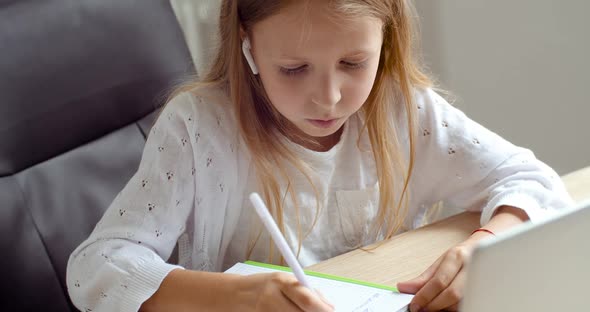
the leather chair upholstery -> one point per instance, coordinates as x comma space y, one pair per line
81, 82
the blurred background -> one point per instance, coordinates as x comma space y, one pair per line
519, 68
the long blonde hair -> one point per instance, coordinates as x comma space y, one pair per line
261, 126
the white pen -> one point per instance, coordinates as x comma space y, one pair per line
278, 238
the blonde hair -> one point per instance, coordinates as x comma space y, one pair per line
261, 126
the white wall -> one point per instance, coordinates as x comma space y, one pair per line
519, 68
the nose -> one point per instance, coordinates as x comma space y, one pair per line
327, 91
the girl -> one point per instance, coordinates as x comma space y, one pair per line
320, 106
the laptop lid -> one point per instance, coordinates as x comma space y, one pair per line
536, 267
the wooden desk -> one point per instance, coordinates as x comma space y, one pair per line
407, 255
404, 256
578, 184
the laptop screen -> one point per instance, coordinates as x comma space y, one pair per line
536, 267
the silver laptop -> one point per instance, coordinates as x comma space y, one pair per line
536, 267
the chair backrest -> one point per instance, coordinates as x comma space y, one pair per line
80, 84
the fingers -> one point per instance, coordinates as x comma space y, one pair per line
414, 285
305, 298
324, 299
448, 269
449, 298
284, 304
270, 296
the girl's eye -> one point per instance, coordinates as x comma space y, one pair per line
301, 69
352, 65
293, 71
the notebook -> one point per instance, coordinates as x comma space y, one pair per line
344, 293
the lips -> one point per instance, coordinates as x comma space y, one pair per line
323, 123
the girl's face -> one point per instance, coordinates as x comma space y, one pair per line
317, 69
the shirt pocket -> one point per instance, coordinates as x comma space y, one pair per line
356, 214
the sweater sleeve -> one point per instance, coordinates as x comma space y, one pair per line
466, 166
122, 263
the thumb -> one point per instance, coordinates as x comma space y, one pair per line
414, 285
317, 291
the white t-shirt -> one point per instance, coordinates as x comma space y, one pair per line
193, 183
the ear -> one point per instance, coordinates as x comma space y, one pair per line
246, 46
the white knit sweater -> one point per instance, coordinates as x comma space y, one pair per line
192, 185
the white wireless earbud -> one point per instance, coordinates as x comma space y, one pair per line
246, 49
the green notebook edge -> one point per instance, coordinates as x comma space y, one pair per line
323, 275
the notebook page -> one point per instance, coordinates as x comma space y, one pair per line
346, 297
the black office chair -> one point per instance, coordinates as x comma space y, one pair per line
80, 84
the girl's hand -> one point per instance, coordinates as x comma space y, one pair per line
278, 292
441, 285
